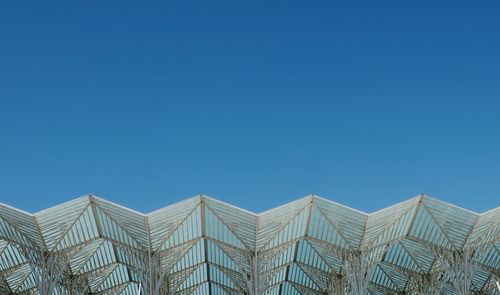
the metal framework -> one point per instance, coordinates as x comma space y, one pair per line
203, 246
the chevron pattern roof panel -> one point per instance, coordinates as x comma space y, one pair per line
204, 246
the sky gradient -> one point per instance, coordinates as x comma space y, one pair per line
366, 103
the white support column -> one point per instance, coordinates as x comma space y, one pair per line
357, 270
459, 268
337, 284
265, 264
262, 267
157, 281
153, 268
425, 284
358, 266
148, 266
48, 268
75, 285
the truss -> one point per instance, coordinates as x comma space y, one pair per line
204, 246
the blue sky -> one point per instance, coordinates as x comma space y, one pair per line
256, 103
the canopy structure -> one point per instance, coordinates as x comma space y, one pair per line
204, 246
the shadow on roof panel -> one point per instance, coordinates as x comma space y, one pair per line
121, 224
390, 224
487, 228
19, 226
270, 223
240, 222
336, 224
441, 224
164, 222
68, 224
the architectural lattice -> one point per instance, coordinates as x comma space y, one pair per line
203, 246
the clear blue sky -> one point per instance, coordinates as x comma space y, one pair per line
256, 103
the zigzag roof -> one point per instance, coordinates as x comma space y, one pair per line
209, 243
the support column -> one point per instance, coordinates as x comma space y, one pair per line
459, 268
357, 271
75, 284
425, 284
48, 268
159, 282
148, 267
337, 284
358, 266
262, 268
270, 258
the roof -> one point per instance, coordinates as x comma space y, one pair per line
210, 244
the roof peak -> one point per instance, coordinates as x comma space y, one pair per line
201, 197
